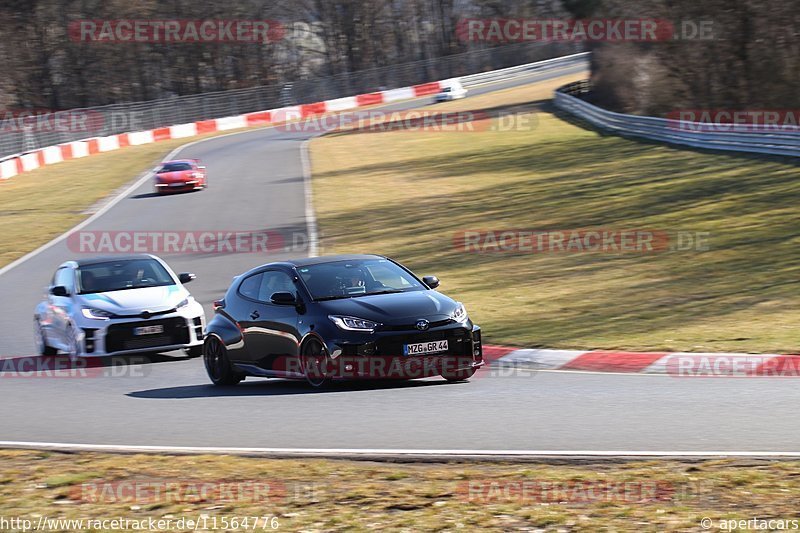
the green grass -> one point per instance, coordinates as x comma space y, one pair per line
324, 495
406, 194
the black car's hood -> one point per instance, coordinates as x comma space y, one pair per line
394, 309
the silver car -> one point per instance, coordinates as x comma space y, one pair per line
118, 305
454, 91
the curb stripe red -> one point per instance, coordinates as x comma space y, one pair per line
600, 361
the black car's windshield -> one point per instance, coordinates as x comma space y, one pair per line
122, 275
174, 167
363, 277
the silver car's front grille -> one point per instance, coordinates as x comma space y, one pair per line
121, 337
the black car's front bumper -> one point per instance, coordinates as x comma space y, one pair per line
380, 355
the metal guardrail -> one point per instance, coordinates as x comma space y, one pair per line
695, 134
138, 116
480, 78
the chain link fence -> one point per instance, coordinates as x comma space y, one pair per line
26, 132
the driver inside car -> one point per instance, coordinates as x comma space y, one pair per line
352, 281
134, 275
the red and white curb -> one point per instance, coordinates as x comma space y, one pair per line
678, 364
15, 165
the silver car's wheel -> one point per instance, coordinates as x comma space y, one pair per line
73, 343
41, 343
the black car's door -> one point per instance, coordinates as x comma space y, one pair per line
270, 331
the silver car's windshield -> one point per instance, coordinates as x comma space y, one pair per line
122, 275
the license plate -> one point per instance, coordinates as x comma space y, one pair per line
420, 348
148, 330
177, 184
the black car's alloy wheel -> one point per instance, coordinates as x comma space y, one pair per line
218, 366
317, 365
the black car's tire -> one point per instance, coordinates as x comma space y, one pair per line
458, 375
41, 342
218, 366
193, 351
316, 363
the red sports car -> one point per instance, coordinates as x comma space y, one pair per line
180, 175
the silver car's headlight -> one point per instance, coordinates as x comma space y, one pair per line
460, 313
96, 314
184, 302
351, 323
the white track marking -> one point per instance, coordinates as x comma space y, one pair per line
371, 452
311, 217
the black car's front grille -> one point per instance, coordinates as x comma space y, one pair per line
121, 336
458, 342
413, 327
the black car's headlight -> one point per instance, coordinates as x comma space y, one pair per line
351, 323
96, 314
460, 313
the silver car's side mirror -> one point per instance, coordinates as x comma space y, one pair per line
59, 290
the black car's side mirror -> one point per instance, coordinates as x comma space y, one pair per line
59, 290
186, 277
283, 298
431, 281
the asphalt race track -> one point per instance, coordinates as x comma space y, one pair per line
256, 183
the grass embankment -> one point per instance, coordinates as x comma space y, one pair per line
322, 495
405, 194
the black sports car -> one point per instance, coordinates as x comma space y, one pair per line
339, 317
